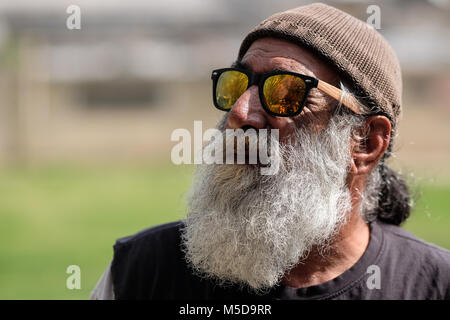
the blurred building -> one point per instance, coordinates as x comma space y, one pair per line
136, 70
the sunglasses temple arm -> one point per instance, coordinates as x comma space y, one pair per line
347, 100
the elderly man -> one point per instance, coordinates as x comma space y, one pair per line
325, 226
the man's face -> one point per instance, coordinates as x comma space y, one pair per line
250, 229
268, 54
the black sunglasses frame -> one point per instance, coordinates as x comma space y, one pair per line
259, 79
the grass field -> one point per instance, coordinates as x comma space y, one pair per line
55, 217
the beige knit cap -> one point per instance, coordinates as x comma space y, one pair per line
364, 59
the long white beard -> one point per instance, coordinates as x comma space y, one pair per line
245, 228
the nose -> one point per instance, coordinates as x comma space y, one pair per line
247, 111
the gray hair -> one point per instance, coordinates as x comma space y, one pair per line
386, 196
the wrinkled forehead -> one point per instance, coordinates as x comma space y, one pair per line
268, 54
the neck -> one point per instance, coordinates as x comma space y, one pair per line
347, 248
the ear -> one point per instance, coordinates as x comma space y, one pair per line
369, 152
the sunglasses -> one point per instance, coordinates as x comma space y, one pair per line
282, 93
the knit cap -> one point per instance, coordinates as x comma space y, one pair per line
363, 58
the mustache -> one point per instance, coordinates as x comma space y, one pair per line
250, 147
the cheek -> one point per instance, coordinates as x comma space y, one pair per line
286, 126
315, 120
316, 112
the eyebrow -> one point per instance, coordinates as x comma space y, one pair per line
245, 66
241, 65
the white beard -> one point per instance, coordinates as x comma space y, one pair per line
245, 228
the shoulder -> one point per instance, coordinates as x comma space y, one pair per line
151, 247
165, 233
406, 241
151, 257
418, 262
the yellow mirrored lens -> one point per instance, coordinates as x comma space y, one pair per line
284, 93
230, 86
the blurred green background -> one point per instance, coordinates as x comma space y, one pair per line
60, 216
86, 118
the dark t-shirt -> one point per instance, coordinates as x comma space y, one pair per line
395, 265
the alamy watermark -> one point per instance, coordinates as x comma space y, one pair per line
229, 147
374, 279
74, 280
374, 18
73, 21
